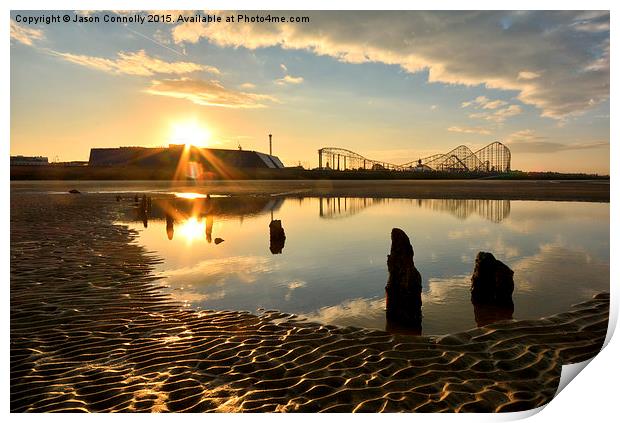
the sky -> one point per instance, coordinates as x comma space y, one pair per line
391, 86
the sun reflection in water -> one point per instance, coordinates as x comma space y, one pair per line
192, 229
189, 195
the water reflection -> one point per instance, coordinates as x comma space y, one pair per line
169, 226
485, 314
209, 228
187, 206
493, 210
338, 207
193, 214
334, 270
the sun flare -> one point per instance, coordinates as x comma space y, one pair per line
190, 133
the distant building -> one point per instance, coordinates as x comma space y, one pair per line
210, 159
29, 161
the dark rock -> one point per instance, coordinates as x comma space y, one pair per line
276, 237
74, 191
403, 292
492, 281
118, 198
218, 241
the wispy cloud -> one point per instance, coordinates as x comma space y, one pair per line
527, 141
483, 102
134, 63
493, 110
208, 93
527, 75
469, 130
500, 115
25, 35
288, 79
555, 61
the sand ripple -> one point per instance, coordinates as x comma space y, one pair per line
91, 332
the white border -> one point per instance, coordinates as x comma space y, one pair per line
591, 396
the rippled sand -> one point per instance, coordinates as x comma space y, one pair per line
90, 331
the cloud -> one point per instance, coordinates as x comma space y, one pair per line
25, 35
527, 75
526, 141
469, 130
162, 37
499, 115
493, 48
482, 102
288, 79
553, 147
134, 63
247, 86
207, 93
434, 107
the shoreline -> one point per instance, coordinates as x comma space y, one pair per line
90, 331
541, 190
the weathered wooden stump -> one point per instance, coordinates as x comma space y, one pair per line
276, 237
403, 292
492, 281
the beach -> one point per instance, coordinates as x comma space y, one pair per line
539, 190
92, 330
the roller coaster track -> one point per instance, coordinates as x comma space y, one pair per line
494, 157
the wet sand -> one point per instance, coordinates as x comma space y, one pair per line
455, 189
478, 189
91, 331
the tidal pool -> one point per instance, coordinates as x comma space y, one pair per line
331, 268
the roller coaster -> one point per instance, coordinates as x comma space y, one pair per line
495, 157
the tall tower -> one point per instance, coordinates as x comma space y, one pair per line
270, 145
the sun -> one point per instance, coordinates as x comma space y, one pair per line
190, 133
192, 229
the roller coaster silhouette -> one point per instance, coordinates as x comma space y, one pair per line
495, 157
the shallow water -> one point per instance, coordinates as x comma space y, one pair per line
332, 267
